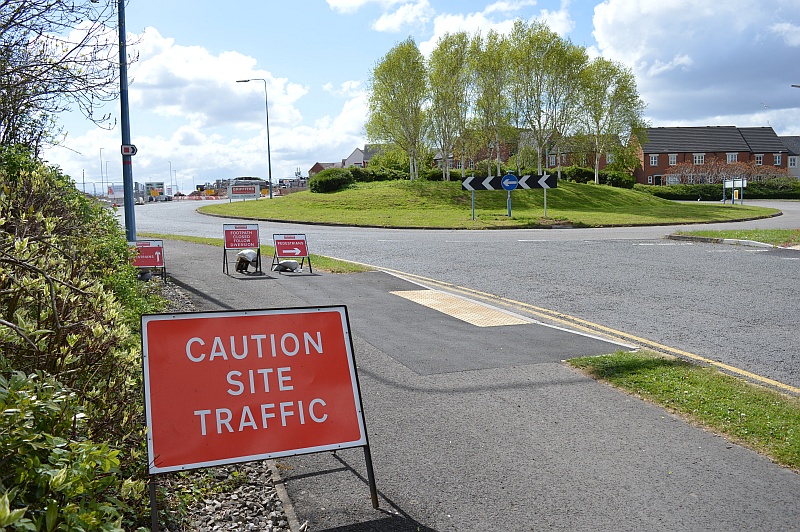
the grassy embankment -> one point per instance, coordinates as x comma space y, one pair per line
445, 205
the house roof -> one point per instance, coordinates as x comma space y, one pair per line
712, 139
792, 144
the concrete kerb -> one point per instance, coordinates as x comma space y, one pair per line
730, 241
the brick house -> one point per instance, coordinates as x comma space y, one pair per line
670, 146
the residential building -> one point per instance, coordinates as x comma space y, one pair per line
670, 146
793, 154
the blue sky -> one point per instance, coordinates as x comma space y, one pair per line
696, 62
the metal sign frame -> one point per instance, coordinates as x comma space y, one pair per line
244, 239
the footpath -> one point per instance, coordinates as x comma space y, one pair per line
485, 428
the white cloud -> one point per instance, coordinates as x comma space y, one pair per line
406, 15
789, 32
711, 62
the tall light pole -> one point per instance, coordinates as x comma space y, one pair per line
266, 106
170, 177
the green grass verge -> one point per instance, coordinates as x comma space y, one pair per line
776, 237
318, 262
445, 205
760, 418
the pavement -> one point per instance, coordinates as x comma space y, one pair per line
475, 423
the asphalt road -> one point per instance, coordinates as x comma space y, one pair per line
484, 428
733, 304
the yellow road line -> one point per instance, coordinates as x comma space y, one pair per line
586, 326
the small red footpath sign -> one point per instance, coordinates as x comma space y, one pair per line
228, 387
150, 253
240, 236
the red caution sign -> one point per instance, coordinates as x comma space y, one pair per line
240, 236
290, 246
150, 253
227, 387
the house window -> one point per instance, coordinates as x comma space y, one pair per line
458, 164
673, 159
699, 158
649, 180
472, 165
733, 157
552, 161
792, 162
564, 158
778, 159
759, 159
654, 159
673, 180
609, 158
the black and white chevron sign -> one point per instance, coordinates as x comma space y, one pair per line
496, 182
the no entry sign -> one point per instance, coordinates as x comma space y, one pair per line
240, 236
228, 387
150, 253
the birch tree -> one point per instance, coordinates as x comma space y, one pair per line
490, 74
449, 87
611, 107
398, 96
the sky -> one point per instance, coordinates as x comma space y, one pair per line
696, 63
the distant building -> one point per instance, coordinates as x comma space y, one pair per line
670, 146
793, 154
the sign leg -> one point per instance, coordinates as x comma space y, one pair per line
373, 488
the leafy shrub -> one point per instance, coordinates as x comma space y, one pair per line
69, 303
331, 180
577, 174
433, 174
616, 179
375, 173
775, 188
52, 477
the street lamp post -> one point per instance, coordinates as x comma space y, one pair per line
101, 168
127, 169
125, 122
266, 106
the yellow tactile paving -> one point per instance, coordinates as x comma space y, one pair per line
462, 309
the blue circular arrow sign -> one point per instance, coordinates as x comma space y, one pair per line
510, 182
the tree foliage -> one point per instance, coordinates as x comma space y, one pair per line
611, 105
532, 91
54, 55
398, 95
449, 85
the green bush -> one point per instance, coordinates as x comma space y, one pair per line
577, 174
775, 188
52, 477
331, 180
616, 179
70, 304
375, 173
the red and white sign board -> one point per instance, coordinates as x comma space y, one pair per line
290, 245
240, 236
150, 253
229, 387
244, 191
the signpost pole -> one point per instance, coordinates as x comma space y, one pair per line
545, 203
508, 202
473, 205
